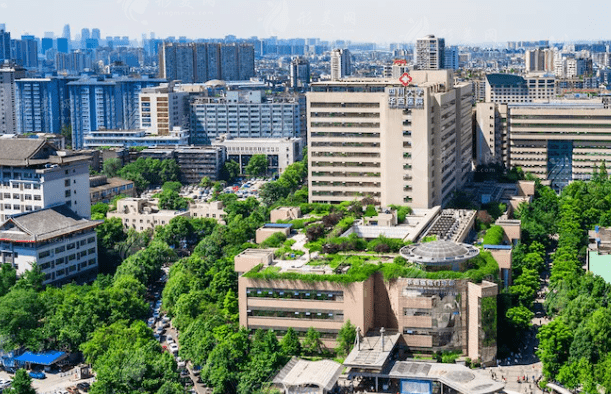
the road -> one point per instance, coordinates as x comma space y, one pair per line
525, 363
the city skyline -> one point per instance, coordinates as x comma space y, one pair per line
473, 23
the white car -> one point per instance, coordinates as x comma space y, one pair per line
169, 339
173, 348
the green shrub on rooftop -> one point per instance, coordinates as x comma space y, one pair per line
494, 236
482, 267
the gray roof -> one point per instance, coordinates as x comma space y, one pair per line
458, 377
297, 372
43, 225
369, 353
19, 149
439, 252
33, 151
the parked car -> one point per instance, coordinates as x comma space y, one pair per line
174, 348
37, 375
169, 339
83, 386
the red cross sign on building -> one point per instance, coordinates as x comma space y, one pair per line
405, 79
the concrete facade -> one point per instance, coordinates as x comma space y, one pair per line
430, 315
103, 189
558, 141
162, 108
54, 179
377, 138
280, 152
143, 214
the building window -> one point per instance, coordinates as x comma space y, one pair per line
67, 183
68, 193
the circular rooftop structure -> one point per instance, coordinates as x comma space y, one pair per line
215, 83
439, 253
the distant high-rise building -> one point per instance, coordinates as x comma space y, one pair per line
214, 61
95, 34
201, 62
229, 63
5, 43
539, 60
341, 64
46, 44
300, 73
430, 53
451, 58
396, 69
62, 45
246, 61
85, 35
66, 32
8, 75
25, 51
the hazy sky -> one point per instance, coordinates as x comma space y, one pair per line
467, 21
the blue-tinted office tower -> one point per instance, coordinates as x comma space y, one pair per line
112, 104
42, 104
5, 44
46, 44
25, 51
62, 45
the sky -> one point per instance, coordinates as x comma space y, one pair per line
380, 21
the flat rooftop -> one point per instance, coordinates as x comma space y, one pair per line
409, 230
456, 376
372, 352
600, 264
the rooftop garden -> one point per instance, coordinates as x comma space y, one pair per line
481, 267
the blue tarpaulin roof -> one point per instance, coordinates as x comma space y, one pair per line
44, 358
498, 247
277, 225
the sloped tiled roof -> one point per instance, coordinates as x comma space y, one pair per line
43, 225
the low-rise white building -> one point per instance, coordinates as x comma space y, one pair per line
131, 138
143, 214
62, 244
280, 152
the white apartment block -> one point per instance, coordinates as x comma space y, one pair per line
8, 124
35, 175
162, 108
509, 88
280, 152
341, 64
399, 144
62, 244
430, 53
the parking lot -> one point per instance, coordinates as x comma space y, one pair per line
53, 383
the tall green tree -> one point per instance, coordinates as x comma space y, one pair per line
257, 166
290, 343
22, 383
312, 343
230, 171
111, 167
345, 338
